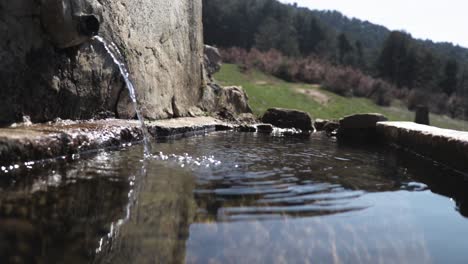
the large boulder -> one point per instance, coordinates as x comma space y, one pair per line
288, 118
47, 71
229, 103
234, 99
359, 127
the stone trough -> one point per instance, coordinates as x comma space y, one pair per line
447, 146
22, 143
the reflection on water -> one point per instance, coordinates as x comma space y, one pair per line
56, 213
236, 198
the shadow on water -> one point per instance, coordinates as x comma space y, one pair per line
438, 178
230, 197
424, 174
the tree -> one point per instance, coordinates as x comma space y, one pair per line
267, 35
309, 33
428, 73
450, 80
344, 47
272, 34
360, 55
398, 60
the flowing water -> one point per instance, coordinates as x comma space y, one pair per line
117, 58
236, 198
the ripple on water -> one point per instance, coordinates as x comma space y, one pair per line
263, 178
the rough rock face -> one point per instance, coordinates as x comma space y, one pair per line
231, 102
287, 118
234, 99
212, 60
160, 40
227, 102
360, 127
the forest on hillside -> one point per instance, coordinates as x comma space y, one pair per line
347, 56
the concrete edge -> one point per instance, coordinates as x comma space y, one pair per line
66, 138
449, 147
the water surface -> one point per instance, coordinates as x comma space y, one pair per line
236, 198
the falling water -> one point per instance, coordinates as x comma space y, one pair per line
112, 50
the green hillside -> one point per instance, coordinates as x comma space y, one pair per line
267, 91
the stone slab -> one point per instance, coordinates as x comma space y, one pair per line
447, 146
64, 138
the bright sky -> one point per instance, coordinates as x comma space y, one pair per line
440, 21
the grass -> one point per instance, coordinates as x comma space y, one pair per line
266, 91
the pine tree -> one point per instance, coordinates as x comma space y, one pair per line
398, 61
309, 33
360, 55
344, 47
267, 35
450, 80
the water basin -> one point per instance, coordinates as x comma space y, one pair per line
236, 198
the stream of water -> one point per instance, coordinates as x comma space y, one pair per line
117, 57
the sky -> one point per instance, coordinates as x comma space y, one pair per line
440, 21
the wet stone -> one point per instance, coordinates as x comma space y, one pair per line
331, 128
52, 140
246, 128
296, 134
224, 127
359, 128
288, 118
319, 124
265, 128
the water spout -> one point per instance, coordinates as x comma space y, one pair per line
70, 22
88, 25
113, 52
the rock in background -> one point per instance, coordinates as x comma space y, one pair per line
161, 41
230, 102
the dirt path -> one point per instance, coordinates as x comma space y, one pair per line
315, 95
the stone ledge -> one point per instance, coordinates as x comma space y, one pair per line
64, 138
447, 146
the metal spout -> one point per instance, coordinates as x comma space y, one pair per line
88, 25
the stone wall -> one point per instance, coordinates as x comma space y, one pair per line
161, 41
449, 147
